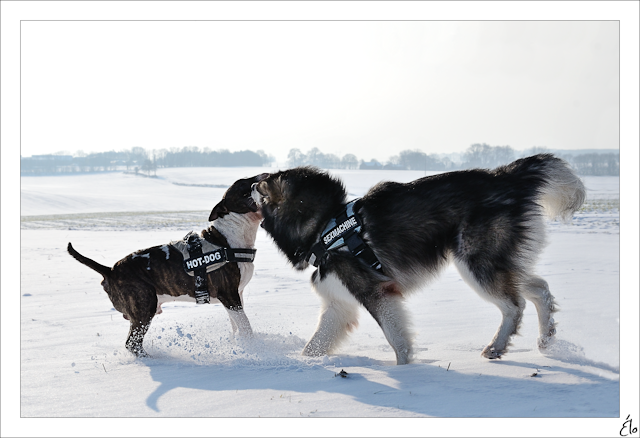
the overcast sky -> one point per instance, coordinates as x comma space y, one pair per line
371, 88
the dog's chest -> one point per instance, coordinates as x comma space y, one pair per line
246, 272
242, 239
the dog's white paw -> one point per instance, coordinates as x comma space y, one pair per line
402, 359
243, 334
314, 349
548, 338
491, 353
545, 341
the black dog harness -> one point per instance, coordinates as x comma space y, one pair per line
344, 229
199, 263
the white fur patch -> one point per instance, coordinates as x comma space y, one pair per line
165, 248
338, 316
240, 230
331, 288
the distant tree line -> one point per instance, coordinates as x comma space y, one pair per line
478, 155
138, 159
194, 157
325, 161
596, 164
485, 156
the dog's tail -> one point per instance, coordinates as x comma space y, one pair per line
105, 271
560, 190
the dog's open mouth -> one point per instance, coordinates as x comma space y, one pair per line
256, 202
252, 205
256, 196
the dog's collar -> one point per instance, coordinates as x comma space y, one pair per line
343, 229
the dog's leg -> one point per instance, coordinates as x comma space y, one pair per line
138, 328
239, 322
234, 326
511, 318
503, 291
339, 315
387, 308
231, 299
141, 304
536, 290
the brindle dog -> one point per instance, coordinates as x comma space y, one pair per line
141, 282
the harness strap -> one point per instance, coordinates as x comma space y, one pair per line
200, 273
344, 230
360, 249
239, 254
199, 262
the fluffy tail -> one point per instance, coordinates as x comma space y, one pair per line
100, 269
561, 192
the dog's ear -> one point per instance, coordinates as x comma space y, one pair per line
218, 211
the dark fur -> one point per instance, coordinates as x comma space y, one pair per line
488, 222
134, 283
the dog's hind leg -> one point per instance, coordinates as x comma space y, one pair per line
511, 318
536, 290
339, 315
387, 308
502, 290
138, 328
140, 306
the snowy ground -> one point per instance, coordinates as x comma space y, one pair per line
73, 362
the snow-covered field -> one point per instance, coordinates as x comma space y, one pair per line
73, 363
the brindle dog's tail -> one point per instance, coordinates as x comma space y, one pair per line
105, 271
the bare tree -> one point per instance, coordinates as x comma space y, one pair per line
349, 161
295, 158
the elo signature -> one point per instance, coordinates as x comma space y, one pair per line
628, 428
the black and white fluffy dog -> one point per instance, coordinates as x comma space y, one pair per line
489, 223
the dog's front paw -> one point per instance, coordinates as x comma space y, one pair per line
314, 350
403, 357
243, 334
